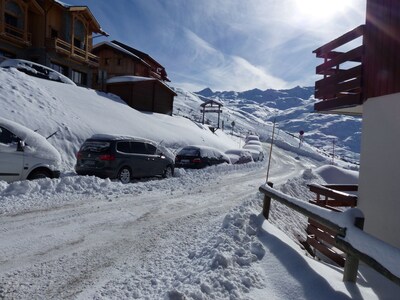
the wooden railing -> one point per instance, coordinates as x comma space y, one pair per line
327, 218
17, 34
68, 49
340, 87
319, 237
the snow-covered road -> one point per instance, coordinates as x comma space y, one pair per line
132, 242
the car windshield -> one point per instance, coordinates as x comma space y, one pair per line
95, 146
189, 152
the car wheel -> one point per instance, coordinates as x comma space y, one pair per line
168, 172
38, 174
124, 175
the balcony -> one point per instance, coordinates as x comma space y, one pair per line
73, 52
16, 36
341, 89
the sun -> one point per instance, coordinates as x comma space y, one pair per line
321, 9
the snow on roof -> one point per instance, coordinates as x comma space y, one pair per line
131, 78
121, 49
115, 137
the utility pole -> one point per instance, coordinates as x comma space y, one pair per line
270, 150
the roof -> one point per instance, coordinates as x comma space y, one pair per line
120, 49
130, 78
85, 9
219, 103
141, 54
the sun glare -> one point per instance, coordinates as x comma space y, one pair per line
321, 9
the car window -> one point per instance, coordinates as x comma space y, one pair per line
189, 152
95, 146
151, 149
124, 147
143, 148
7, 137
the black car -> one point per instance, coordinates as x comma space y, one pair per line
197, 157
123, 157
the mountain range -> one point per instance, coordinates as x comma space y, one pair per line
293, 111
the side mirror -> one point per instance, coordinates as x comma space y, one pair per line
20, 146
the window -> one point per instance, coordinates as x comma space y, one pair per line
79, 34
106, 61
123, 147
59, 68
54, 33
79, 78
7, 137
143, 148
14, 15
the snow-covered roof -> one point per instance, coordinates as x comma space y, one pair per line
35, 143
121, 49
131, 78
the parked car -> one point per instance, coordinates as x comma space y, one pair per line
197, 157
254, 142
256, 151
123, 158
36, 70
25, 154
239, 156
251, 137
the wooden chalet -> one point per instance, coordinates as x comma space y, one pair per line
50, 33
156, 69
143, 93
132, 75
117, 61
365, 81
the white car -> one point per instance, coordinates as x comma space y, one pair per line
251, 137
25, 154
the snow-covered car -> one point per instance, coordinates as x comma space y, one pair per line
36, 70
256, 151
251, 137
25, 154
123, 157
254, 142
239, 156
197, 157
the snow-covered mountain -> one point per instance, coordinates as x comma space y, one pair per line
293, 111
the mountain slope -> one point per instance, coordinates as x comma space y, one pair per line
292, 109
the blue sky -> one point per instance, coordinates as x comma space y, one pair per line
229, 44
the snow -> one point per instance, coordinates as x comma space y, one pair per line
197, 235
34, 143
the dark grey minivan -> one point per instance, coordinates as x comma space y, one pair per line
123, 157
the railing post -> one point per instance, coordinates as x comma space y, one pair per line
267, 203
351, 265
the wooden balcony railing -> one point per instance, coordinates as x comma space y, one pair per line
68, 49
16, 35
340, 87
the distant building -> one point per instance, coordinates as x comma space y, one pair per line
134, 76
50, 33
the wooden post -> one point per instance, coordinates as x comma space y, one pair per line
351, 265
267, 203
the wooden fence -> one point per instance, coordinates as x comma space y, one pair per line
353, 255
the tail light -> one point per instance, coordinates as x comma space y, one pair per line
107, 157
196, 160
79, 155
